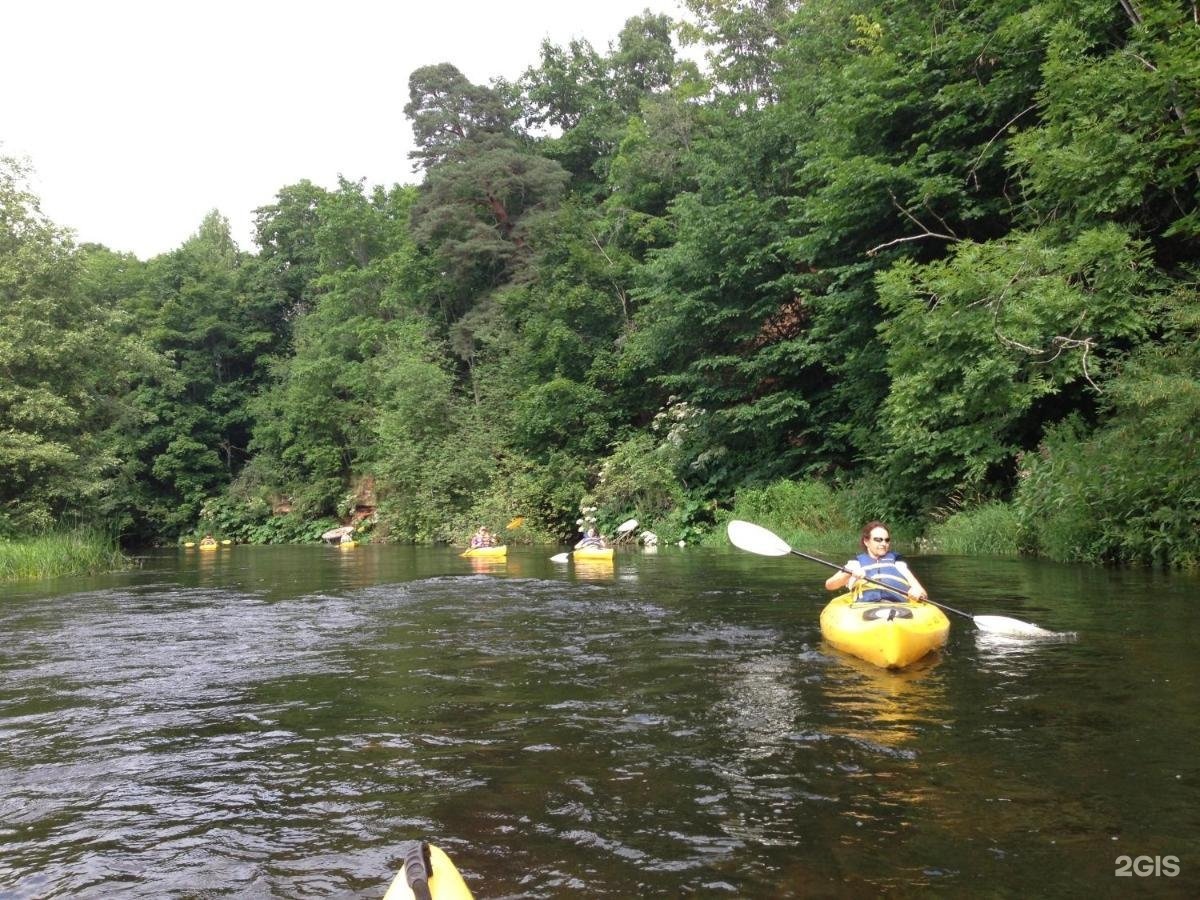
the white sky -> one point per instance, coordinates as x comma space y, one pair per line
141, 116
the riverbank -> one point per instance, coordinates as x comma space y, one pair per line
78, 552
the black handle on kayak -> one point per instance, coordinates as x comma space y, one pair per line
418, 868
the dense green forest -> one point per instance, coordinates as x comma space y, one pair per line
932, 261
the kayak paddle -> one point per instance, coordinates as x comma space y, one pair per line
756, 539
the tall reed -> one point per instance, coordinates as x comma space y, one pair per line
992, 529
77, 552
807, 514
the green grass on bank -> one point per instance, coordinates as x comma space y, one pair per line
813, 517
78, 552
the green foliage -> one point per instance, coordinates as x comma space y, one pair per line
654, 162
643, 62
704, 331
245, 514
482, 190
317, 419
571, 92
65, 366
239, 511
1015, 321
200, 310
900, 154
431, 462
292, 528
472, 212
286, 232
1117, 134
560, 414
638, 480
587, 98
741, 38
570, 313
548, 490
992, 529
447, 111
1128, 490
691, 520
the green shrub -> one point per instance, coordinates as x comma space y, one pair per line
1128, 491
638, 479
874, 497
546, 493
992, 529
1113, 499
560, 413
691, 520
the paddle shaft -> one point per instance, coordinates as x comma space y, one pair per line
890, 590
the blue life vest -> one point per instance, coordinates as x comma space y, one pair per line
885, 571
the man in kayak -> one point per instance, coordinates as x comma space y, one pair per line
591, 538
483, 538
880, 565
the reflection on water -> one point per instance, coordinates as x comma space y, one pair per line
487, 564
593, 569
274, 722
883, 707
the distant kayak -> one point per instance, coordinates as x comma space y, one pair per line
890, 635
593, 553
496, 552
209, 545
427, 874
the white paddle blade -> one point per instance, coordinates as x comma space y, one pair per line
560, 557
1011, 627
756, 539
627, 526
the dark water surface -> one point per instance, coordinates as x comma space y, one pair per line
274, 722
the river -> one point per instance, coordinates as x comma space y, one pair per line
276, 721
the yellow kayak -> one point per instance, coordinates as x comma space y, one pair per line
890, 635
427, 874
209, 545
594, 553
495, 552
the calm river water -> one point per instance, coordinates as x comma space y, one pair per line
275, 721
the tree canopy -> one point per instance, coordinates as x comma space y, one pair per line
935, 256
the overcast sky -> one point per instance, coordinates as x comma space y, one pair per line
140, 116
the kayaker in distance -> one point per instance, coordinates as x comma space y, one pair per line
878, 563
483, 538
591, 538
